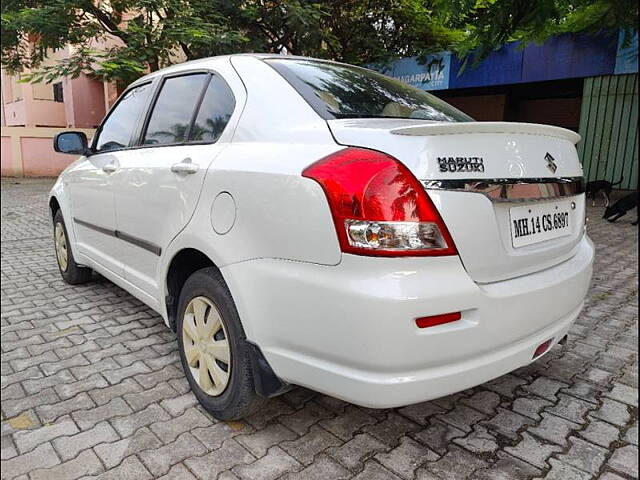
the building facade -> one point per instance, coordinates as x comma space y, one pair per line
32, 113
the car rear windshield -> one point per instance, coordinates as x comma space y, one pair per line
343, 91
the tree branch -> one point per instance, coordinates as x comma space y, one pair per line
107, 22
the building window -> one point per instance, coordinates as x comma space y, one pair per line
58, 92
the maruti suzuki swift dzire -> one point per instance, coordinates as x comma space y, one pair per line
305, 222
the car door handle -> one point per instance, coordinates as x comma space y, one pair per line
186, 166
109, 168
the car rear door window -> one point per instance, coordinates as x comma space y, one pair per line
173, 110
215, 111
116, 131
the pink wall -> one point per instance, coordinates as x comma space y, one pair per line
6, 158
83, 106
39, 159
2, 115
45, 113
88, 102
15, 113
28, 151
32, 112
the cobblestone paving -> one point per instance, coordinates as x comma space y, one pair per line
92, 385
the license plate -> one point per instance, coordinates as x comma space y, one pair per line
539, 223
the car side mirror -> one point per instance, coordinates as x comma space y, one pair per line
74, 143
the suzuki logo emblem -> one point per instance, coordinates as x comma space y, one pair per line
551, 164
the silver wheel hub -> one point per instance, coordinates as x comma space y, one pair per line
62, 253
206, 346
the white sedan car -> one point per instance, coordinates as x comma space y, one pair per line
305, 222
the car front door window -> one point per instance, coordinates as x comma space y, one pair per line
116, 131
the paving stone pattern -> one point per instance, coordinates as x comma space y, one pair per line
92, 386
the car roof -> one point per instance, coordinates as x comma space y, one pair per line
212, 61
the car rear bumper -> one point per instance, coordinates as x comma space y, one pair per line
349, 330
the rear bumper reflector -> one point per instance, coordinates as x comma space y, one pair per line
543, 348
432, 321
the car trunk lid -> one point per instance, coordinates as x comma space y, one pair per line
491, 182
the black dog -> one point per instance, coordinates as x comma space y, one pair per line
621, 207
603, 186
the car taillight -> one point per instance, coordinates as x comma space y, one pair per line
378, 206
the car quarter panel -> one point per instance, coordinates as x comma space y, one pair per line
277, 213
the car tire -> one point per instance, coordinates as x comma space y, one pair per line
71, 272
205, 295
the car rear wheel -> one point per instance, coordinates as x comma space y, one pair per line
71, 272
213, 348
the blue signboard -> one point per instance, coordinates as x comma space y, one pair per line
432, 74
569, 56
627, 56
501, 67
564, 56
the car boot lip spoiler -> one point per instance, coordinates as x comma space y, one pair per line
453, 128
